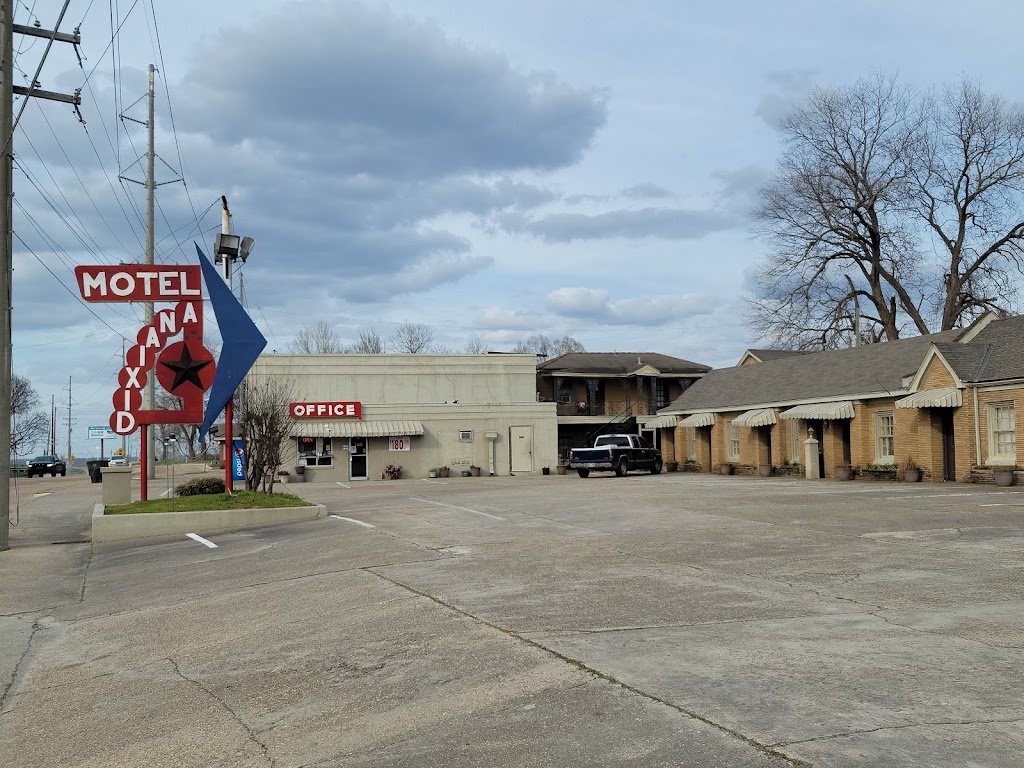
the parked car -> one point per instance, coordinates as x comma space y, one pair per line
51, 465
118, 461
616, 453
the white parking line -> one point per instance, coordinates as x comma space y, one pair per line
452, 506
344, 486
201, 540
351, 520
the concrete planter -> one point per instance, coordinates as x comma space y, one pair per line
912, 475
764, 470
672, 466
844, 473
1003, 477
560, 469
725, 469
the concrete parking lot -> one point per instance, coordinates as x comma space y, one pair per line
672, 620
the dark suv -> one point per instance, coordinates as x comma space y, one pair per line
40, 465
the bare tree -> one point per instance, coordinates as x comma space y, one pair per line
873, 177
264, 423
412, 338
565, 345
320, 338
542, 346
475, 345
28, 427
369, 343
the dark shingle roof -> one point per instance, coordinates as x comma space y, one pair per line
998, 352
764, 355
618, 363
832, 374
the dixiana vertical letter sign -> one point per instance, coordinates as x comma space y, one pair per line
185, 368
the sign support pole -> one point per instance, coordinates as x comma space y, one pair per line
143, 459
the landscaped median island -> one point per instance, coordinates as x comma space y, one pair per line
206, 513
210, 502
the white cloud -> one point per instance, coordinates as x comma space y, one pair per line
577, 301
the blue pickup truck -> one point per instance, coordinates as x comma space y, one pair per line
618, 454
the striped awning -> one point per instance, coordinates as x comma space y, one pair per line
698, 420
842, 409
668, 421
947, 397
759, 417
356, 428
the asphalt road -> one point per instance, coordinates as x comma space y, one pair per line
677, 620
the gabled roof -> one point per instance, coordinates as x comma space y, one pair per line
874, 369
995, 353
763, 355
619, 364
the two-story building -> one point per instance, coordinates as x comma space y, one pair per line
605, 392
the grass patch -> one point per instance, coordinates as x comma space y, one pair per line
215, 501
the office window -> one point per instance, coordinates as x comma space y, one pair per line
734, 441
315, 451
1002, 430
885, 446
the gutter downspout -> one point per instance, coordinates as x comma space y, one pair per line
977, 429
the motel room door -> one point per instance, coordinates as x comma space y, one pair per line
521, 446
357, 458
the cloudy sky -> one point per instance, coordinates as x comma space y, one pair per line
497, 168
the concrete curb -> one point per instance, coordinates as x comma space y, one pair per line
127, 527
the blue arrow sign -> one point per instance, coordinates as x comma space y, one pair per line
242, 343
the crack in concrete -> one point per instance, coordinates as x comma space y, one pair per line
993, 646
85, 576
765, 749
264, 749
8, 685
881, 728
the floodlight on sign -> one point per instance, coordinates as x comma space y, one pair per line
226, 246
245, 247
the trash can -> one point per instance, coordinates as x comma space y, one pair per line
94, 469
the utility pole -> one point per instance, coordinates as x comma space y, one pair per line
67, 456
150, 399
7, 266
7, 91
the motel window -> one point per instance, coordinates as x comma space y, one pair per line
691, 444
734, 441
885, 446
661, 399
315, 451
1002, 430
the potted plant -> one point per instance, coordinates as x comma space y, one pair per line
725, 469
1003, 475
433, 472
393, 471
283, 475
671, 466
765, 470
561, 468
474, 470
844, 472
911, 470
443, 471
